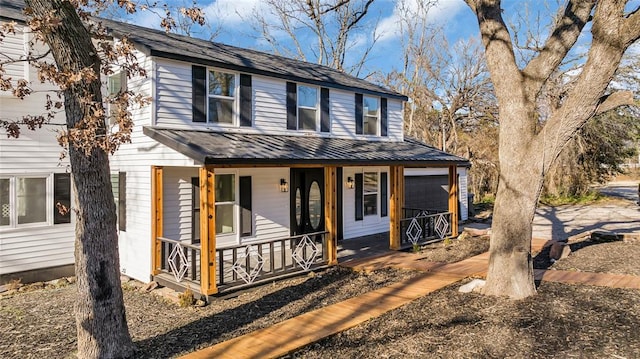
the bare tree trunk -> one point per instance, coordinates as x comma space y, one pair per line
510, 264
100, 314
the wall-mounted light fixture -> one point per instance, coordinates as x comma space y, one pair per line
284, 186
350, 182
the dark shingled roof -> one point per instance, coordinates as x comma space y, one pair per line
185, 48
217, 148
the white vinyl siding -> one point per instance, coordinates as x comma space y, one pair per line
395, 124
33, 154
462, 193
173, 106
270, 207
270, 105
370, 224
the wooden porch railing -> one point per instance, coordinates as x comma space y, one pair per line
254, 262
422, 226
180, 259
247, 264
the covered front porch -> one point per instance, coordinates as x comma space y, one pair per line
256, 214
208, 268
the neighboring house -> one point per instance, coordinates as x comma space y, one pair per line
36, 241
248, 166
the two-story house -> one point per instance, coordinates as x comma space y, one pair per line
249, 166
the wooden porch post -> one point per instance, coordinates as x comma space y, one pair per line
156, 218
208, 284
453, 199
396, 202
330, 211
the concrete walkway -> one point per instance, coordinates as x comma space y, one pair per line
310, 327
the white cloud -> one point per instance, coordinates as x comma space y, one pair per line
234, 12
444, 10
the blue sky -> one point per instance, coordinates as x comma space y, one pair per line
233, 17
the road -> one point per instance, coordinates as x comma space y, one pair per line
621, 216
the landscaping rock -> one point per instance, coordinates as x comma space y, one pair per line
474, 286
605, 237
149, 287
559, 250
633, 238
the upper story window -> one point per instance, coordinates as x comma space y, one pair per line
371, 112
116, 84
307, 108
371, 115
222, 97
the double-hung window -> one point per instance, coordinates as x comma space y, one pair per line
308, 108
225, 201
370, 193
221, 104
116, 84
371, 112
33, 200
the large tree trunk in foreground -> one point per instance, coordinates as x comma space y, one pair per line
100, 313
529, 145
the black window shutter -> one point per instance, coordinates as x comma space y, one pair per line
122, 201
245, 100
383, 117
384, 196
292, 106
198, 90
359, 199
62, 195
359, 118
245, 206
325, 120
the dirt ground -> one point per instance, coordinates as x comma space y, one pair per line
562, 321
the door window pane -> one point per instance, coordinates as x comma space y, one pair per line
31, 196
315, 205
298, 207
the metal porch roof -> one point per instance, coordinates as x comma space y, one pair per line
221, 148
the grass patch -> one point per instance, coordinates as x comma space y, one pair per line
587, 198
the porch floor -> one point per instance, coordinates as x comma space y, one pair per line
363, 247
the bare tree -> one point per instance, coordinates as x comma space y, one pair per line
527, 149
83, 52
323, 31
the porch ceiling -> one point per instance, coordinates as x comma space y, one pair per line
217, 148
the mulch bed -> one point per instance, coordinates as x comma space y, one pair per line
454, 250
40, 323
561, 321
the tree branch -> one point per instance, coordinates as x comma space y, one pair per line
564, 36
614, 100
631, 26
